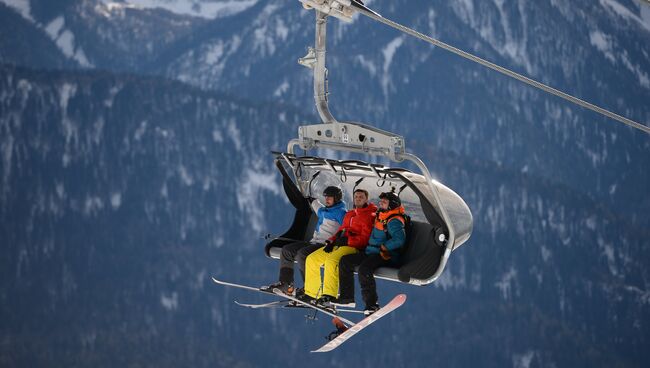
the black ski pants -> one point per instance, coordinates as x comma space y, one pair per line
297, 251
367, 266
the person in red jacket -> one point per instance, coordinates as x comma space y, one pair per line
351, 238
357, 223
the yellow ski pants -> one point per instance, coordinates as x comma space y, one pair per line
331, 274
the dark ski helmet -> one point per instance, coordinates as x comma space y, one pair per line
393, 200
335, 192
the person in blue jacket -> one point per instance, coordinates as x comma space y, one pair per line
384, 249
330, 218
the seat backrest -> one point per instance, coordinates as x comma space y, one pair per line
422, 255
302, 228
418, 239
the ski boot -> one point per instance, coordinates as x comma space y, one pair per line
284, 287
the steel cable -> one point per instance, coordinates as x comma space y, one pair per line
369, 13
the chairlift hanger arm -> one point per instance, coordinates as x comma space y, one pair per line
339, 7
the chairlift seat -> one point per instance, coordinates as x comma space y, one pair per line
419, 241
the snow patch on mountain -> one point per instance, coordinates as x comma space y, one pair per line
202, 9
606, 45
116, 200
457, 277
70, 130
366, 64
249, 197
108, 102
546, 253
7, 149
206, 64
65, 41
265, 32
642, 76
92, 205
235, 135
216, 136
214, 53
625, 13
513, 47
21, 6
109, 8
523, 360
432, 23
500, 35
505, 284
389, 52
464, 9
141, 130
282, 89
609, 253
66, 92
642, 295
185, 176
603, 43
645, 14
169, 302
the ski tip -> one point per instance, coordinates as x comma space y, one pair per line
322, 350
215, 280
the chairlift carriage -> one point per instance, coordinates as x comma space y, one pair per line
441, 220
430, 240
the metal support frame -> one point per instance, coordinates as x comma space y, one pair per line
353, 137
341, 9
320, 71
349, 136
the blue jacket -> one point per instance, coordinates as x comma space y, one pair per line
394, 244
329, 220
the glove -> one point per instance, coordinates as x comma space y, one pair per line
384, 253
329, 246
310, 199
341, 241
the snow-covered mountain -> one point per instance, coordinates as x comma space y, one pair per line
404, 85
89, 220
121, 195
130, 178
209, 9
596, 50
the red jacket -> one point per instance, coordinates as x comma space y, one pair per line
357, 226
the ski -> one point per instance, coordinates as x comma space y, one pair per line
329, 312
347, 327
397, 302
241, 286
275, 304
289, 304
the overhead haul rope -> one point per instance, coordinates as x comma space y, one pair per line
369, 13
